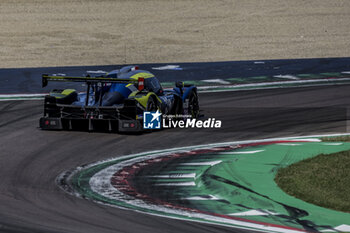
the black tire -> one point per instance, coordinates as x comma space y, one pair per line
177, 108
151, 105
193, 105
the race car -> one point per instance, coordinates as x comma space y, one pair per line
114, 101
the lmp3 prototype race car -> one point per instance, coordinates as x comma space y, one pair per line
114, 101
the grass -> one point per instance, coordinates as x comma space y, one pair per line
345, 138
323, 180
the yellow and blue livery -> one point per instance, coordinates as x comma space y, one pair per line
114, 101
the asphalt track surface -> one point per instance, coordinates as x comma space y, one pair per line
31, 159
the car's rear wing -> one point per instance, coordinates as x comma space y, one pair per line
92, 80
46, 78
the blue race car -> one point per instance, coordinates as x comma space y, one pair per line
115, 101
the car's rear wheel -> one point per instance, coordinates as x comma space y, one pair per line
177, 107
151, 105
193, 105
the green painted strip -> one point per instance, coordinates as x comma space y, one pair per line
310, 76
306, 75
332, 74
237, 80
261, 77
167, 84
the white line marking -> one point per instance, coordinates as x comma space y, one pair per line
167, 67
96, 72
333, 144
215, 81
341, 228
259, 62
201, 198
17, 99
254, 213
289, 144
212, 163
287, 77
241, 152
307, 139
59, 74
177, 184
21, 95
345, 72
174, 176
